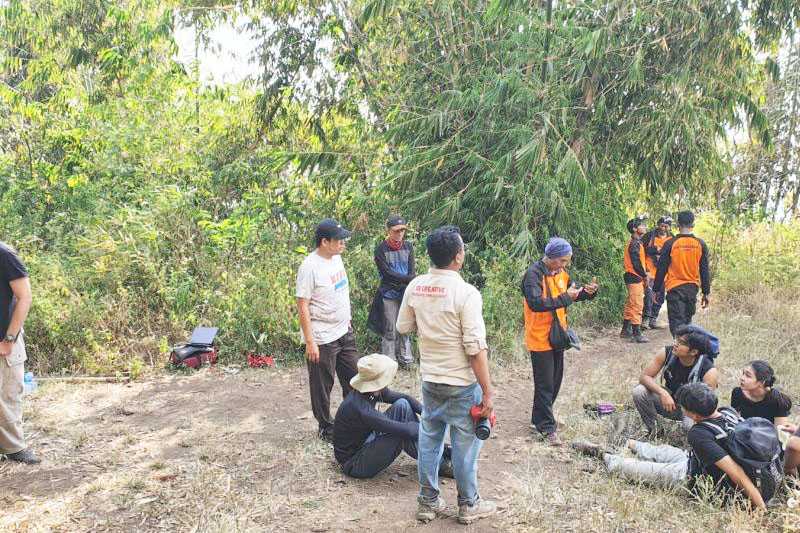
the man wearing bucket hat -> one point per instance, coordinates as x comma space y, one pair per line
394, 257
323, 304
366, 440
447, 314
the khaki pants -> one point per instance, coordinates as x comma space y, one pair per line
634, 305
12, 370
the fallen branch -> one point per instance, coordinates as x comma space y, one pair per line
101, 379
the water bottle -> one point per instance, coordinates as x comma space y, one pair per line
29, 383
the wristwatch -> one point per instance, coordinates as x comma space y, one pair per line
11, 338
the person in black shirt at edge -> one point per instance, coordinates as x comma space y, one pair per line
653, 399
756, 395
669, 466
15, 302
366, 440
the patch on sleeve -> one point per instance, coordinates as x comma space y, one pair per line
430, 291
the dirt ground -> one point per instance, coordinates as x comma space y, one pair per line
221, 450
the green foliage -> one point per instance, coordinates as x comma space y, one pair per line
748, 256
146, 204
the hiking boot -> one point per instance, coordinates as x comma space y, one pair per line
589, 448
467, 514
446, 469
637, 337
644, 325
428, 511
653, 324
626, 329
553, 440
25, 456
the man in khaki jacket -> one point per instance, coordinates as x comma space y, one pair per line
447, 314
15, 302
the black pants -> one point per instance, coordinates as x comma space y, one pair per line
658, 301
648, 302
548, 370
381, 449
681, 305
337, 358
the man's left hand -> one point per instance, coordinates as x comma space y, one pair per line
5, 348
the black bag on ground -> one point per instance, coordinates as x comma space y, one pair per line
560, 338
754, 445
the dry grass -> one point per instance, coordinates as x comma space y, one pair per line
217, 452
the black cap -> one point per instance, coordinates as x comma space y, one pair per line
330, 229
633, 224
396, 220
665, 220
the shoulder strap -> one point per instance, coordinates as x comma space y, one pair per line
548, 294
667, 361
694, 373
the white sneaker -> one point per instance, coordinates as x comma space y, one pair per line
467, 514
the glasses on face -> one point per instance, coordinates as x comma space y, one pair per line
679, 342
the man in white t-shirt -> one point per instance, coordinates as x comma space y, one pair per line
323, 303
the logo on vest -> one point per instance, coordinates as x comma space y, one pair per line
430, 290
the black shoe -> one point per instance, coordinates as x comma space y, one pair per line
25, 456
626, 329
636, 335
446, 469
644, 325
653, 324
326, 434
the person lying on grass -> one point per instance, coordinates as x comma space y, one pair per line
707, 461
689, 359
366, 440
757, 395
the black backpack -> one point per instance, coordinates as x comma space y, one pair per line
754, 445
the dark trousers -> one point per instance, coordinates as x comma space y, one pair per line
380, 450
681, 304
335, 358
648, 301
548, 370
658, 301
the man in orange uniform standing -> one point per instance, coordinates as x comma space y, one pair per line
682, 270
653, 243
635, 282
547, 290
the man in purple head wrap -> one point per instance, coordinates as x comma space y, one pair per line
548, 292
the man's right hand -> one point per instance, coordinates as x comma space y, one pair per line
573, 292
487, 406
667, 402
312, 351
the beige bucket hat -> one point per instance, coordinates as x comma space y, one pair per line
375, 371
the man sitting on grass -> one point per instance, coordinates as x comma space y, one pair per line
366, 440
670, 466
690, 359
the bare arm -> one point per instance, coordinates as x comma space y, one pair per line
312, 350
740, 479
480, 367
648, 375
712, 378
21, 287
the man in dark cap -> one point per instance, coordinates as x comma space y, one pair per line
635, 282
654, 241
323, 303
394, 257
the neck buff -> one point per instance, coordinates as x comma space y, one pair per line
394, 245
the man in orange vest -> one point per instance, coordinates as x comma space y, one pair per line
548, 292
636, 279
654, 241
682, 271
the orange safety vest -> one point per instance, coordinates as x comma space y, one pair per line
627, 258
537, 324
658, 242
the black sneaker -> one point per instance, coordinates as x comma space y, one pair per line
25, 456
446, 469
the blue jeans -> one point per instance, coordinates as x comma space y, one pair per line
448, 405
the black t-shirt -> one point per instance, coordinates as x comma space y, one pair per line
767, 408
11, 268
707, 450
677, 375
